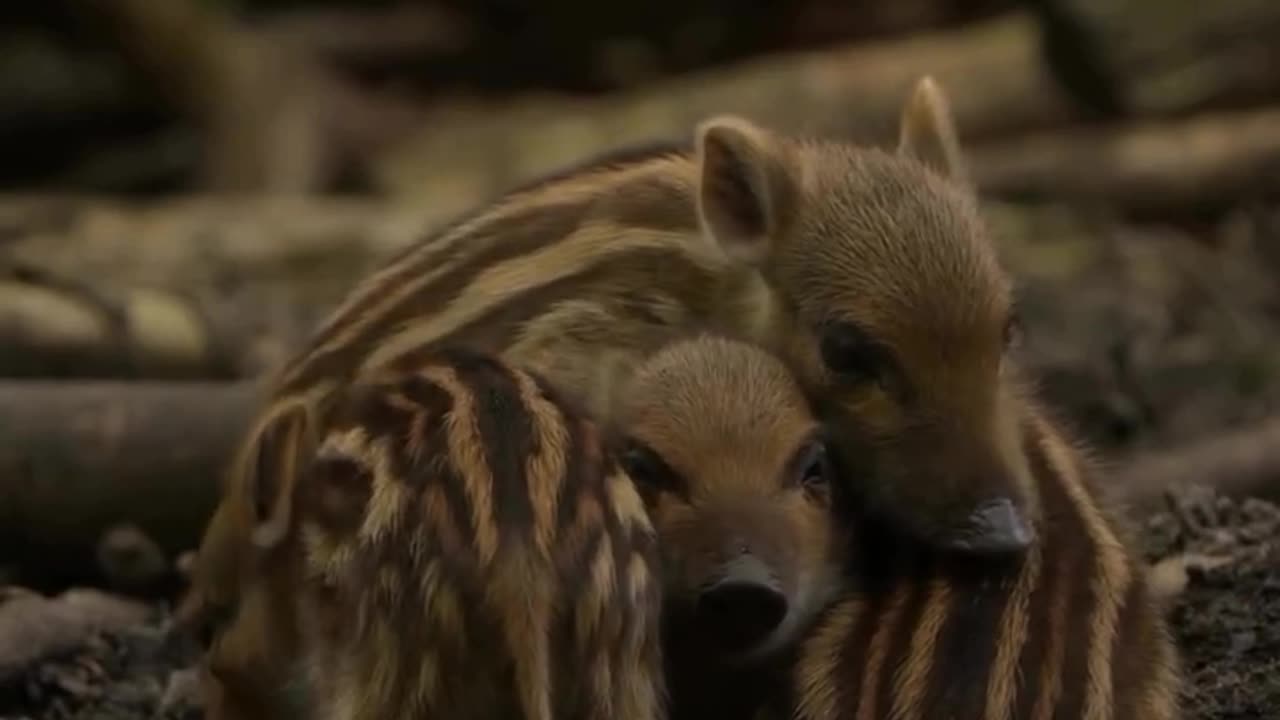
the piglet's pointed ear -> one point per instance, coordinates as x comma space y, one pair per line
744, 190
278, 451
927, 132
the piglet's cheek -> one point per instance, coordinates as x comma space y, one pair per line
811, 534
677, 527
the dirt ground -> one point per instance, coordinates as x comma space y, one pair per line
1227, 621
124, 669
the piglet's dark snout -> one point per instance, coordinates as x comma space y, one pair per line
741, 609
995, 527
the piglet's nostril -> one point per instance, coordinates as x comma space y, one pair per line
742, 609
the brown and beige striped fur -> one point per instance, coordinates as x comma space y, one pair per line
462, 545
238, 591
1068, 631
723, 451
732, 465
867, 271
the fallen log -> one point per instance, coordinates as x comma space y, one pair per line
257, 272
1154, 169
278, 120
55, 326
992, 70
265, 270
275, 120
1053, 64
1244, 462
1160, 57
79, 458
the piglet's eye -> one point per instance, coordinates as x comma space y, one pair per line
811, 469
850, 353
646, 468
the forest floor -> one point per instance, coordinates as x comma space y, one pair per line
1227, 619
1227, 622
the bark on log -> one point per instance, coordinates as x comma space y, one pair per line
278, 120
274, 267
198, 238
992, 71
1004, 75
1155, 57
54, 326
260, 271
1155, 169
76, 459
1016, 72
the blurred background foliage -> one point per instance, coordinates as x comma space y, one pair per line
74, 114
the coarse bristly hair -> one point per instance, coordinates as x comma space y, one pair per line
1070, 629
463, 546
868, 272
731, 463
